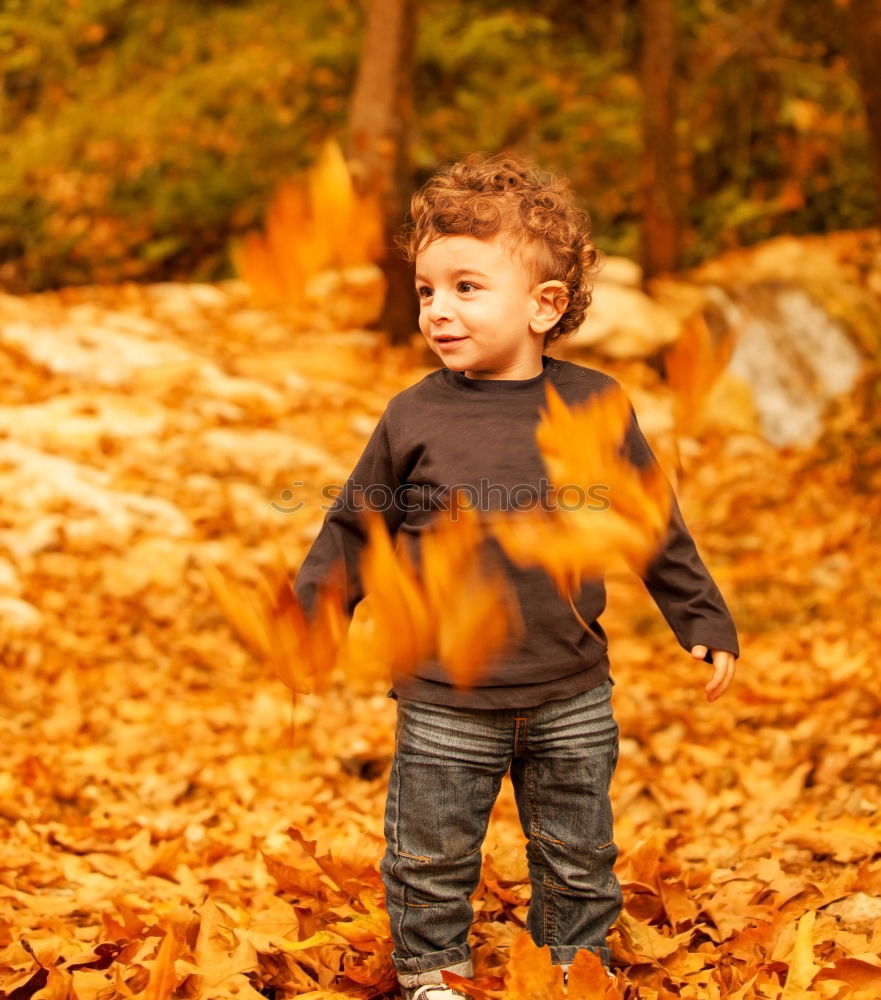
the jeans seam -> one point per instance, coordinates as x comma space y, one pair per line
550, 913
552, 840
548, 919
395, 860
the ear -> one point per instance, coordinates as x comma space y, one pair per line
550, 299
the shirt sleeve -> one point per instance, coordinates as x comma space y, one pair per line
343, 534
677, 578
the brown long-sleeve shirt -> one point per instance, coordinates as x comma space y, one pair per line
449, 430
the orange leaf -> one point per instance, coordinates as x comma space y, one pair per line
274, 627
588, 978
313, 224
606, 509
802, 967
645, 943
530, 974
692, 364
452, 607
856, 972
403, 621
163, 975
475, 613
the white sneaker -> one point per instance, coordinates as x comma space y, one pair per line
433, 991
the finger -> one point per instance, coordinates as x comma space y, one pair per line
698, 652
720, 680
723, 674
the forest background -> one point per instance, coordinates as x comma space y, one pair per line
138, 139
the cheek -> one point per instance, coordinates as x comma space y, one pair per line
423, 321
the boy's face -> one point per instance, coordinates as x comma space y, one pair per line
480, 309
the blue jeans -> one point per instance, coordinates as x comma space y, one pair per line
446, 774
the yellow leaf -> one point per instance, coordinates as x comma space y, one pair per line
646, 942
163, 974
802, 967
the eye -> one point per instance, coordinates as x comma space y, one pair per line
423, 292
466, 286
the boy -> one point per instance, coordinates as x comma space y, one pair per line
502, 256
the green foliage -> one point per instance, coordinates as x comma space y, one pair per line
770, 126
772, 130
137, 139
512, 79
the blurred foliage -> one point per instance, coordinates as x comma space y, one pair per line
138, 138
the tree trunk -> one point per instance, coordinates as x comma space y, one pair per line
865, 47
378, 146
660, 198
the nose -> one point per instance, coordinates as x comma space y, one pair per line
438, 309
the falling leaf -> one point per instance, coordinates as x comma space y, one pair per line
692, 364
404, 627
272, 624
620, 511
453, 606
475, 614
313, 224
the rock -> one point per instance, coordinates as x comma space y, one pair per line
79, 420
620, 271
841, 271
150, 563
623, 323
89, 352
347, 298
32, 480
791, 353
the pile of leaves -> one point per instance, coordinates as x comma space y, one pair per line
174, 827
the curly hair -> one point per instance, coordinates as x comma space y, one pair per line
483, 196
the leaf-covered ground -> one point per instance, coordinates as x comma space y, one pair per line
173, 826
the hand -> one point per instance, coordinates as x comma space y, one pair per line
723, 670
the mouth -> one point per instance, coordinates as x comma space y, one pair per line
448, 341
